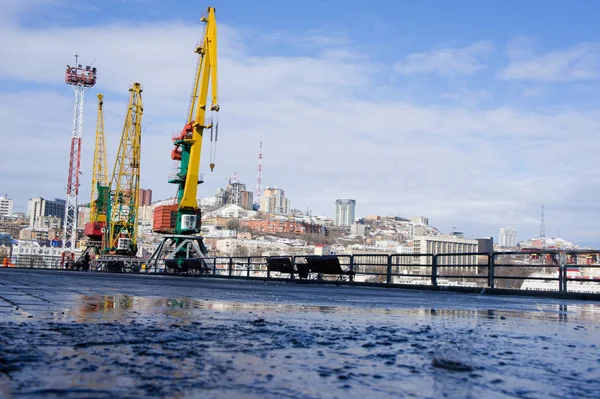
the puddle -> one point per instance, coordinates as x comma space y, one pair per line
90, 308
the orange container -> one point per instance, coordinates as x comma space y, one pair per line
165, 219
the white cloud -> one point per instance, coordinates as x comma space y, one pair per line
448, 62
468, 98
580, 62
476, 169
520, 47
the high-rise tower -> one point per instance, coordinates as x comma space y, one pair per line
507, 237
81, 79
344, 212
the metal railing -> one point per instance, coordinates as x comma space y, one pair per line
557, 271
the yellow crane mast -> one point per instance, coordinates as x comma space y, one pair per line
100, 189
193, 132
100, 167
121, 233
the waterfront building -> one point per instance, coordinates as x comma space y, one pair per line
445, 244
39, 207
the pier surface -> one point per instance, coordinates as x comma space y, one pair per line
101, 335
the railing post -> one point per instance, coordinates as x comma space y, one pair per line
248, 268
560, 278
389, 269
491, 269
434, 262
351, 268
293, 267
268, 271
562, 272
229, 267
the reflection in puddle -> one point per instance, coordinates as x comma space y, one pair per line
115, 306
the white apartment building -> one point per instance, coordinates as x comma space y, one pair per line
6, 206
508, 237
344, 212
146, 213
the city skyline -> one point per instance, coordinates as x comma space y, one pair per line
506, 234
466, 99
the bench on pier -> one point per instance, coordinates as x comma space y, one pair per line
327, 265
281, 264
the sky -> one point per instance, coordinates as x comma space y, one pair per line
472, 113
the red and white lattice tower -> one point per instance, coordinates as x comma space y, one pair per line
81, 79
258, 193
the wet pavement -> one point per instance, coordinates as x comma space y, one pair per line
95, 335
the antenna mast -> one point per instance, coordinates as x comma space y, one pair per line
258, 190
543, 225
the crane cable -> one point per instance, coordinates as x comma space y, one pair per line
214, 136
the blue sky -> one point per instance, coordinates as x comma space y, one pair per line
429, 19
474, 113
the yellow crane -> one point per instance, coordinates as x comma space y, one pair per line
182, 248
121, 232
100, 188
189, 143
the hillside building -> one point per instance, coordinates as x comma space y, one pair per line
274, 226
274, 202
235, 194
145, 197
358, 230
507, 237
6, 206
420, 220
